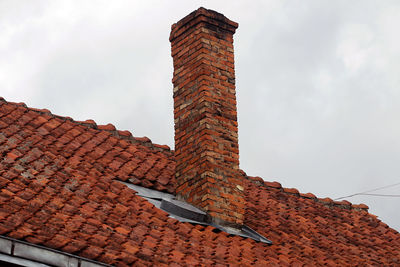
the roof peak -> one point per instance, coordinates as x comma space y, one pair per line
344, 204
124, 134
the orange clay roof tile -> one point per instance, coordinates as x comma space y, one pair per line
59, 188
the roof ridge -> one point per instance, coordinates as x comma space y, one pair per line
145, 141
124, 134
344, 204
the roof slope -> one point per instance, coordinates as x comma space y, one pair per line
59, 189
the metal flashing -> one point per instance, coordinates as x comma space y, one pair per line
184, 212
43, 256
7, 259
5, 246
149, 193
27, 254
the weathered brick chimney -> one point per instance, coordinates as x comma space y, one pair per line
206, 133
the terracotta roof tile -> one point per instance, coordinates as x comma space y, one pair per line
59, 189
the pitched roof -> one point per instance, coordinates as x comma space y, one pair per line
60, 188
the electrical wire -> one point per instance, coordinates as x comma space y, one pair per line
372, 190
380, 195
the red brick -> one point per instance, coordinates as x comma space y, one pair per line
195, 64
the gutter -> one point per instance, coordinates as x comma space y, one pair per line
27, 254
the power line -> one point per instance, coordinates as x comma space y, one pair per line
372, 190
380, 195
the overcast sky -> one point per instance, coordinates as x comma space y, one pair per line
318, 82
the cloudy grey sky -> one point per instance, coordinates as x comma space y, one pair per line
318, 84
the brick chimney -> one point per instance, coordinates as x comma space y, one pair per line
206, 133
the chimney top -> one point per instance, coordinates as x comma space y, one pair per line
202, 14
